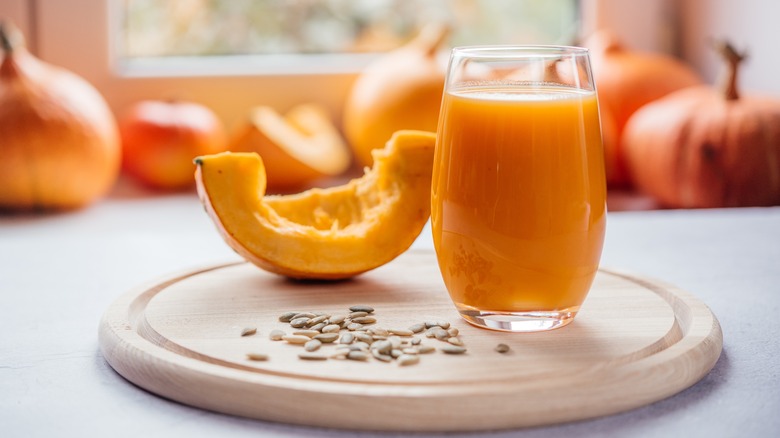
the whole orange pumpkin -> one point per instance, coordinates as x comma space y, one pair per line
626, 80
400, 90
704, 147
161, 138
59, 147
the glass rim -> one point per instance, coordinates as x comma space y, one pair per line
501, 51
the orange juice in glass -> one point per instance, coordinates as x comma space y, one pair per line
519, 193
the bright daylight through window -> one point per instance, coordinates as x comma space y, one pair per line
157, 28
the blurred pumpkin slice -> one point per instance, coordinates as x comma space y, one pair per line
297, 148
332, 233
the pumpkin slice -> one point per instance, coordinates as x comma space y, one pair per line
332, 233
297, 149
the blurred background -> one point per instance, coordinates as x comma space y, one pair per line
120, 45
233, 55
241, 27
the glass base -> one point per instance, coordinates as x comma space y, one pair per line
518, 321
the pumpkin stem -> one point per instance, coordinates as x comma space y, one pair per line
5, 42
431, 37
605, 41
733, 59
10, 39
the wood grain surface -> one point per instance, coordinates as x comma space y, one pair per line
634, 342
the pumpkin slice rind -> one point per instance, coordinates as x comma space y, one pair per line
331, 233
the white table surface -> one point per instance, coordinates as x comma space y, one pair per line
58, 273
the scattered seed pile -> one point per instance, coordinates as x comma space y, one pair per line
354, 335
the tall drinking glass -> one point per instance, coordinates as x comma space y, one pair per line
519, 192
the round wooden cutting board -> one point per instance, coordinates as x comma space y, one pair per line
634, 342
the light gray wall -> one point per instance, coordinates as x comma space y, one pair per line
752, 25
686, 29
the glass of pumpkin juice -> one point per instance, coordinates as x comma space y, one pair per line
519, 193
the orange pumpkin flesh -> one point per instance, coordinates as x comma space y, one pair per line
701, 147
332, 233
626, 80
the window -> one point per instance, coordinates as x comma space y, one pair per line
315, 36
240, 27
234, 54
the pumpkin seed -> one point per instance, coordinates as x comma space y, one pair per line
409, 350
276, 335
425, 349
299, 322
331, 328
381, 356
443, 324
365, 320
361, 345
416, 341
382, 346
364, 337
316, 320
347, 338
312, 356
408, 359
340, 354
338, 319
378, 331
400, 332
309, 333
357, 355
287, 316
396, 353
248, 331
357, 314
455, 341
312, 345
395, 341
319, 326
453, 349
354, 326
441, 334
257, 356
453, 331
308, 315
361, 308
327, 338
417, 328
296, 339
502, 348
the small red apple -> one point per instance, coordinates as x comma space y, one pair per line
161, 138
